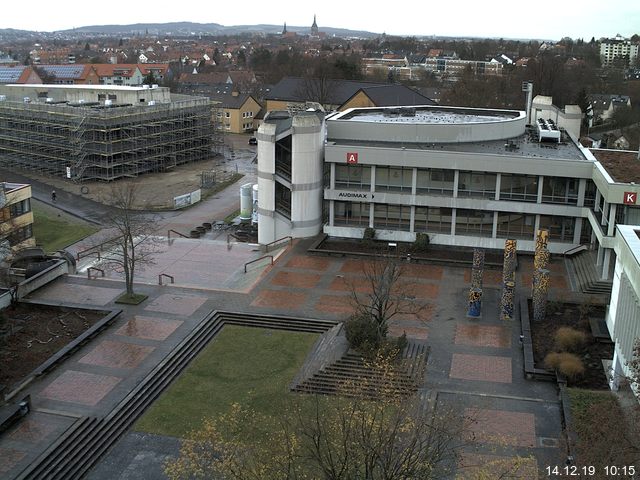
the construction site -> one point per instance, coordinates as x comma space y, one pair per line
102, 133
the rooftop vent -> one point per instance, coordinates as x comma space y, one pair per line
548, 131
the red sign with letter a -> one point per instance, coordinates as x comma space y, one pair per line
630, 198
352, 157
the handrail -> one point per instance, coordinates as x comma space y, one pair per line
231, 235
575, 250
253, 261
175, 231
94, 268
91, 250
170, 277
288, 237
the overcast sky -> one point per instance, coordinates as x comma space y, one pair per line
545, 19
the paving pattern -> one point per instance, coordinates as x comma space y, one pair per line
475, 365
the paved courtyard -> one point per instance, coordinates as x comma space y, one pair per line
475, 366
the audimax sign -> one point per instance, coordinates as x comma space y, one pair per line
362, 196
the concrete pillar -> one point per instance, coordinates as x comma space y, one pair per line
332, 212
414, 182
540, 182
494, 229
498, 181
582, 189
332, 178
600, 255
412, 221
453, 221
612, 219
604, 275
456, 179
577, 230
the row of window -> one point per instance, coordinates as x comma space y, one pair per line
19, 235
470, 184
439, 220
15, 210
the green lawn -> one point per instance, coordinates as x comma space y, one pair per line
54, 233
249, 366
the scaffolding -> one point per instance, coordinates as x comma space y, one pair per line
105, 143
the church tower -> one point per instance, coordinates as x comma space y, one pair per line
314, 27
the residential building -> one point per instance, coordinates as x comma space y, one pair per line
603, 105
618, 51
101, 132
19, 74
16, 217
235, 111
293, 94
67, 74
455, 67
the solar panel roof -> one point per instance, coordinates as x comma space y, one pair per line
63, 71
10, 74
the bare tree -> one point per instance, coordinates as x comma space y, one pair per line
385, 295
134, 245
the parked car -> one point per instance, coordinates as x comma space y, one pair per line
253, 141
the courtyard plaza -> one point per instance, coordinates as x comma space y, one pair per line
475, 365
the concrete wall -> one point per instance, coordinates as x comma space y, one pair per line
569, 118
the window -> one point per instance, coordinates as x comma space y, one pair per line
434, 180
20, 208
474, 222
515, 225
560, 190
519, 187
560, 228
477, 184
429, 219
394, 179
392, 217
353, 177
19, 235
351, 213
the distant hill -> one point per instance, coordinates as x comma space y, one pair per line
190, 28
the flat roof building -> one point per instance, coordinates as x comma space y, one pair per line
101, 132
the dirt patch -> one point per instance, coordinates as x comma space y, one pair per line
30, 334
591, 354
154, 190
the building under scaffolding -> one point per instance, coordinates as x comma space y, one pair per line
101, 132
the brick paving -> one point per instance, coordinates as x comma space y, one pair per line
9, 458
500, 427
176, 304
116, 355
339, 304
313, 263
489, 277
483, 336
473, 466
151, 328
296, 279
32, 430
482, 368
80, 387
279, 299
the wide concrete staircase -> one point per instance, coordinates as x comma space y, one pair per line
353, 376
586, 275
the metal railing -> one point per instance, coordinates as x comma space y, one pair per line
573, 250
170, 277
177, 233
96, 248
256, 260
289, 238
96, 269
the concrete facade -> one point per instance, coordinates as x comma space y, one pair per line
466, 177
623, 315
16, 217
